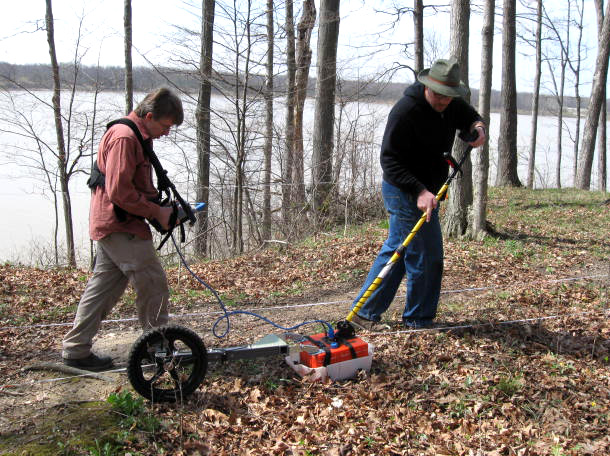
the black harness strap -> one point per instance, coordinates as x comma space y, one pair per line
350, 346
163, 182
164, 186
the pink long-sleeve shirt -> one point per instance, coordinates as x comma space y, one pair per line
129, 184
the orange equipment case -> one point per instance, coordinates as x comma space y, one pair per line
348, 349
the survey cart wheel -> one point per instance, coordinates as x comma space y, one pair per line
167, 363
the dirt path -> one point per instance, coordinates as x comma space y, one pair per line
32, 392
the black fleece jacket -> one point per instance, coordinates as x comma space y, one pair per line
415, 138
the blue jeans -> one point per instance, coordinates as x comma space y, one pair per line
422, 261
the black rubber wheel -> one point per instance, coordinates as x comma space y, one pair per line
168, 363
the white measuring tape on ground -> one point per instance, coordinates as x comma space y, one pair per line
495, 323
314, 304
9, 386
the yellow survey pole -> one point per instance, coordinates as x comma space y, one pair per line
395, 257
400, 250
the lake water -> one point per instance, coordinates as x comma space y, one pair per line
27, 203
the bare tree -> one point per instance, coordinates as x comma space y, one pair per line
238, 127
241, 81
585, 162
481, 159
425, 48
455, 221
535, 97
127, 24
61, 146
268, 147
435, 47
288, 162
418, 25
17, 122
507, 142
203, 122
559, 86
303, 64
96, 92
325, 104
55, 161
575, 68
355, 155
602, 152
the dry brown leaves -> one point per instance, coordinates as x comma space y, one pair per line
533, 388
494, 390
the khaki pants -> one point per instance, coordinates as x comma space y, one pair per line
121, 258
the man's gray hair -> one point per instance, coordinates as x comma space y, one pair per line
161, 103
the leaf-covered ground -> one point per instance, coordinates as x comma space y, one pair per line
524, 371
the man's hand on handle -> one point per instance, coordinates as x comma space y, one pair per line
166, 212
426, 202
479, 127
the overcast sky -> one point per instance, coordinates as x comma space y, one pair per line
362, 30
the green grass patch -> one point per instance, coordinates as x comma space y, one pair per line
70, 429
509, 385
84, 428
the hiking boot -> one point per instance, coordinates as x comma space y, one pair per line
368, 325
92, 363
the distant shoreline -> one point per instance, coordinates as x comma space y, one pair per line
111, 79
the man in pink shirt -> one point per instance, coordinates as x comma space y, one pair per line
125, 251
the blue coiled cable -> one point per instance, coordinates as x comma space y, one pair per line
226, 314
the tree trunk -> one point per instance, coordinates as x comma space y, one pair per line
602, 152
418, 25
288, 162
92, 151
602, 149
128, 66
241, 109
61, 147
585, 162
325, 104
535, 98
266, 233
455, 221
576, 71
203, 119
507, 143
481, 158
303, 63
560, 103
564, 44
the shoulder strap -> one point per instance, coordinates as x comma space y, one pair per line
131, 124
148, 152
164, 185
163, 182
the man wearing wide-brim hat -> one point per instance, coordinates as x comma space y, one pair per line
420, 128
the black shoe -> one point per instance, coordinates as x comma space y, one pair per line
91, 363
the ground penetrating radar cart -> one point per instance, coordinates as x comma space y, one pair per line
170, 362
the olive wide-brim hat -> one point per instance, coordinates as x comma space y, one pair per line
444, 77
